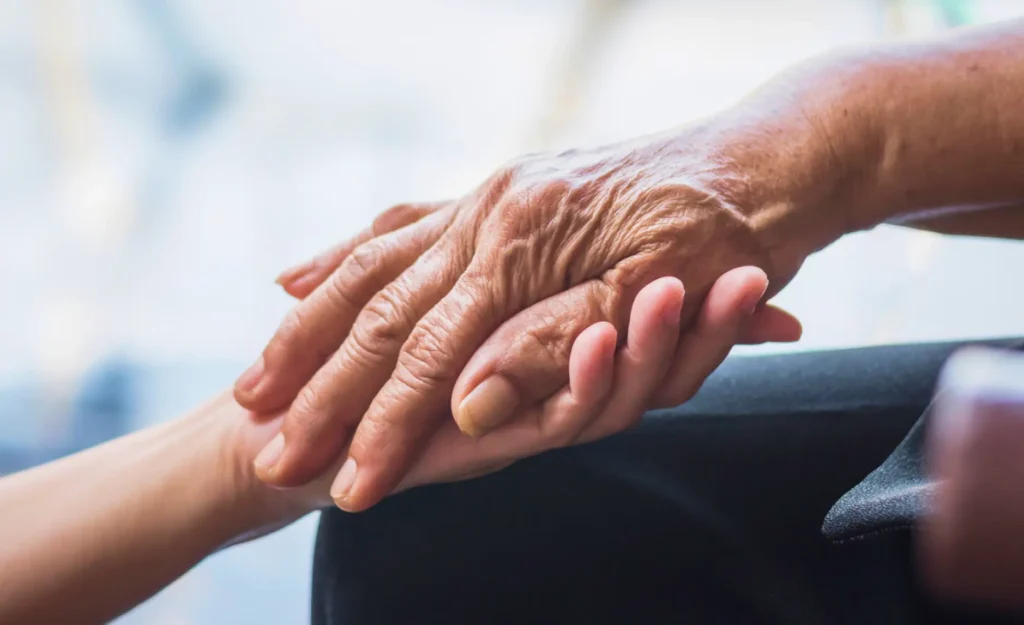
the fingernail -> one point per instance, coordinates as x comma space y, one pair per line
289, 275
343, 483
487, 405
750, 304
252, 376
270, 454
301, 283
673, 313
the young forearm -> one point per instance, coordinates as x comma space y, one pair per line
92, 535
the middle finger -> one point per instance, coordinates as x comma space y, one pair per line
335, 399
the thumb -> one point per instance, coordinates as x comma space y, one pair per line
526, 360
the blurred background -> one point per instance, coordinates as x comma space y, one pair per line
162, 160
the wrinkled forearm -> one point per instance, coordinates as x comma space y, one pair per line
956, 139
896, 132
932, 125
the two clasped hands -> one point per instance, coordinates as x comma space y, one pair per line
551, 306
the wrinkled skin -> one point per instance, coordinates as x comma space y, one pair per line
437, 301
608, 391
476, 302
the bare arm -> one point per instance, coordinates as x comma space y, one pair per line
931, 132
92, 534
482, 297
88, 537
926, 133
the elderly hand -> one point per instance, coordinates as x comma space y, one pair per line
608, 391
512, 273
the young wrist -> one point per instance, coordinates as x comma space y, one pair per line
241, 506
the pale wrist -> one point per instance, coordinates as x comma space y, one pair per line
225, 502
248, 506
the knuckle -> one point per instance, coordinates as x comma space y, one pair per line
362, 353
548, 344
531, 213
306, 415
522, 165
341, 287
540, 190
380, 436
365, 259
552, 190
425, 358
523, 200
414, 378
513, 169
381, 327
373, 436
384, 320
507, 176
387, 431
368, 345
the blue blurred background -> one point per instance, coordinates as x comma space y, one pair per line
162, 160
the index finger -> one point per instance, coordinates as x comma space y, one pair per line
316, 326
303, 279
